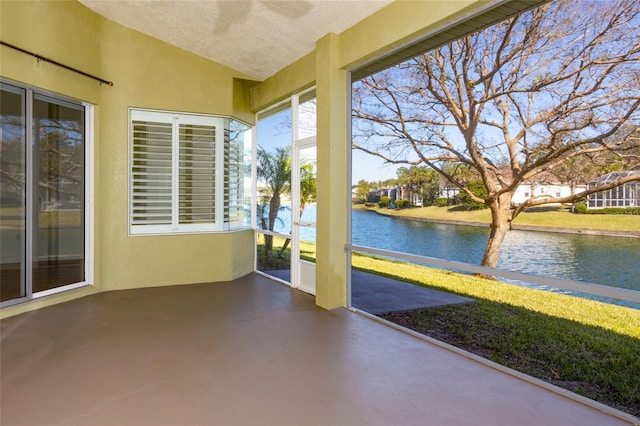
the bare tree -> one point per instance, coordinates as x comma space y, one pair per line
523, 97
58, 159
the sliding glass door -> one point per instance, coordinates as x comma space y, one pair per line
58, 193
13, 164
42, 193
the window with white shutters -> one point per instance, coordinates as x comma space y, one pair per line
177, 173
235, 209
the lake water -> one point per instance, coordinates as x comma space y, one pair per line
610, 261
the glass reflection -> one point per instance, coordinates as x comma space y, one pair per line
58, 219
238, 177
12, 194
307, 116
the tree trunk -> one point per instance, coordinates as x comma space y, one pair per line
268, 244
501, 216
268, 239
274, 207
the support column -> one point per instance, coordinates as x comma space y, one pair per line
331, 95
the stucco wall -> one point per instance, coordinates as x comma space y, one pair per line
146, 74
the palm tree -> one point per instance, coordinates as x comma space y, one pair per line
273, 170
307, 192
307, 185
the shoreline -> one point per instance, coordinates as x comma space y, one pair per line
518, 227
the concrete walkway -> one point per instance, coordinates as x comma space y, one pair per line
380, 295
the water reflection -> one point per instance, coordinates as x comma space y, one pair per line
546, 254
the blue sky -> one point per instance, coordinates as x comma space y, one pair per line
272, 132
370, 168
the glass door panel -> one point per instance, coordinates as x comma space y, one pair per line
273, 180
307, 126
273, 256
305, 214
58, 195
12, 194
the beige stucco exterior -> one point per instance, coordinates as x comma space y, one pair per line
151, 74
146, 73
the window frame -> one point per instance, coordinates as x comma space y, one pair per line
221, 168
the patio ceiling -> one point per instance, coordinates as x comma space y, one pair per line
256, 37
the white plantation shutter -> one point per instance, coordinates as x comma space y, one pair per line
197, 174
151, 170
176, 161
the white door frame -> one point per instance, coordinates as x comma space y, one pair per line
303, 273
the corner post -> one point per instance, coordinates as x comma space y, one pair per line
332, 135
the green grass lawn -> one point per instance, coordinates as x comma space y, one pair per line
588, 347
550, 216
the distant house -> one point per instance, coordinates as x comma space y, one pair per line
626, 195
545, 185
395, 193
540, 189
375, 195
449, 192
545, 190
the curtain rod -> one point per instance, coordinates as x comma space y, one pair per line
42, 58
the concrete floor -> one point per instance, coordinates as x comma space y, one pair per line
248, 352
